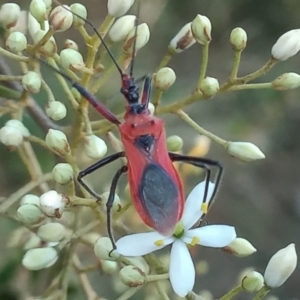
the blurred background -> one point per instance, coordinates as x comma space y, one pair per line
261, 199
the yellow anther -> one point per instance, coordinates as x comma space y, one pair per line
204, 207
195, 241
159, 243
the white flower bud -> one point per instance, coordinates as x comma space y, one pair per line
9, 14
48, 3
38, 10
80, 10
121, 28
253, 282
238, 39
287, 45
201, 29
209, 86
183, 39
18, 125
286, 81
33, 25
244, 151
70, 44
116, 205
174, 143
30, 214
56, 140
53, 203
103, 248
164, 78
52, 232
240, 247
61, 19
62, 173
132, 276
32, 82
30, 199
10, 136
34, 241
94, 147
280, 267
71, 59
151, 108
117, 8
49, 48
16, 42
39, 258
108, 266
56, 110
142, 37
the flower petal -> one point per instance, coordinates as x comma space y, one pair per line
192, 209
182, 271
213, 235
142, 243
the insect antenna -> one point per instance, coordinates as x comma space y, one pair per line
97, 33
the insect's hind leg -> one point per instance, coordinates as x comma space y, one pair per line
99, 164
205, 164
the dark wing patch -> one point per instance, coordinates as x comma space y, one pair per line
160, 197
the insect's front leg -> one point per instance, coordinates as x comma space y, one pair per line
99, 164
205, 164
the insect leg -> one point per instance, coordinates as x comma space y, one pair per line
110, 202
94, 167
204, 163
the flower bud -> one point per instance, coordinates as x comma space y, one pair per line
19, 126
60, 18
52, 203
30, 214
253, 282
32, 82
70, 44
183, 39
34, 241
57, 141
238, 39
108, 266
151, 108
121, 28
132, 276
174, 143
201, 29
80, 10
286, 81
30, 199
33, 25
116, 204
280, 267
39, 258
244, 151
164, 78
117, 8
94, 147
71, 59
62, 173
209, 86
240, 247
103, 249
142, 36
10, 136
38, 10
56, 110
49, 48
9, 14
287, 45
16, 42
52, 232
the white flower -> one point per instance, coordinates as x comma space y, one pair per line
182, 270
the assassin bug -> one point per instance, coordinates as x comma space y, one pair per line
155, 185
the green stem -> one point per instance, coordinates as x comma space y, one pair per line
262, 293
232, 293
204, 64
236, 64
8, 93
251, 86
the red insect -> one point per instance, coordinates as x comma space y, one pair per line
155, 185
